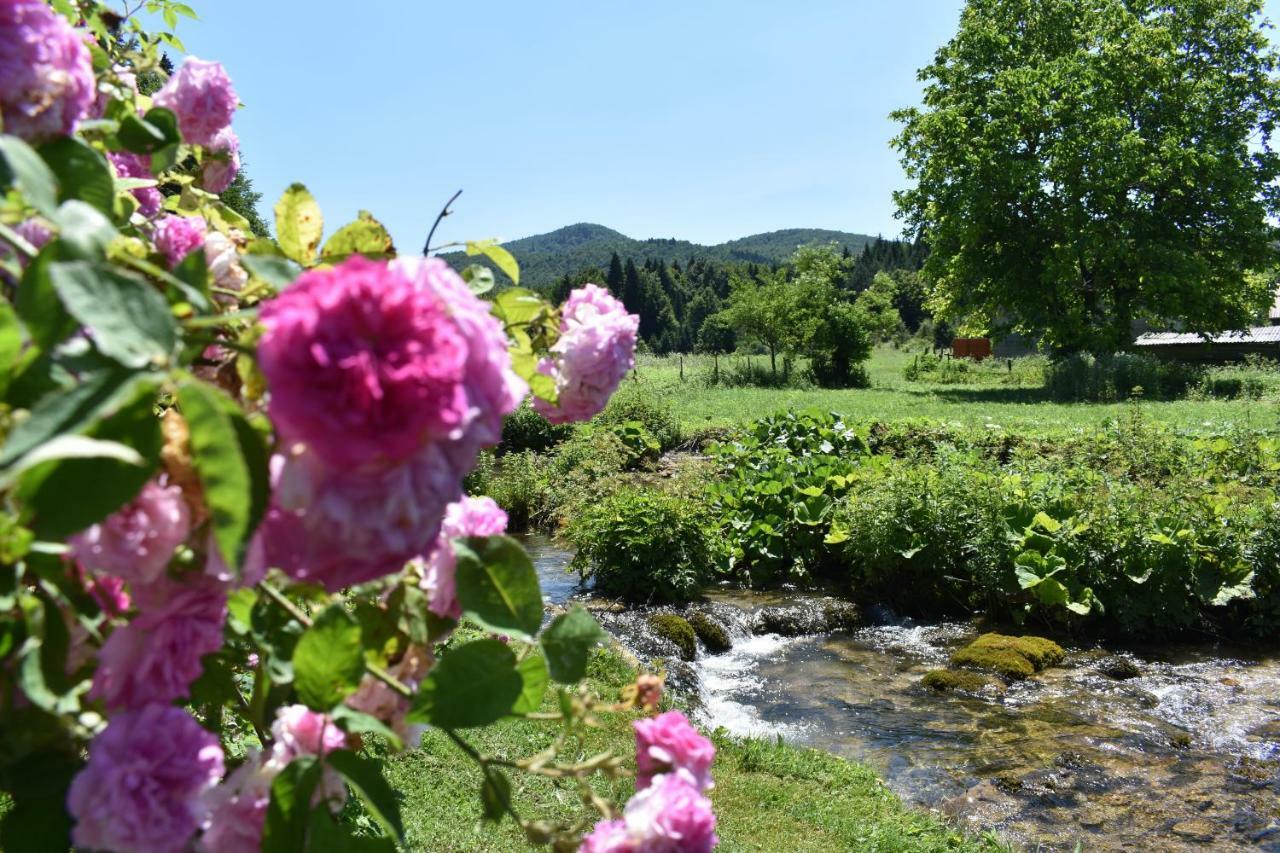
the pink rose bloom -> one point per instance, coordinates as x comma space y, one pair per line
136, 542
143, 786
608, 836
369, 362
220, 169
201, 96
670, 816
467, 517
300, 731
238, 808
46, 73
178, 236
125, 85
340, 528
156, 657
597, 347
129, 165
223, 261
667, 743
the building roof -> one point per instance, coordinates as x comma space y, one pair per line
1255, 335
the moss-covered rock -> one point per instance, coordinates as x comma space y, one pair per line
710, 632
1118, 667
1012, 658
946, 680
678, 630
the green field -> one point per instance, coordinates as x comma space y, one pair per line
701, 405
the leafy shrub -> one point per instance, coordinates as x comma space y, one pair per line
636, 403
839, 346
525, 429
777, 488
519, 483
645, 545
1118, 377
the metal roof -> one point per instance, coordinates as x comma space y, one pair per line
1255, 335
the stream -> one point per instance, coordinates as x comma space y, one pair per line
1186, 755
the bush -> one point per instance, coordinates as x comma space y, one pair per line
1120, 376
637, 403
839, 346
645, 545
525, 429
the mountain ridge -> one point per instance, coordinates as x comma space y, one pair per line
568, 250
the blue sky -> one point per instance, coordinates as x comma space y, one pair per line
704, 120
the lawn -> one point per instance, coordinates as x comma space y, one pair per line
768, 796
701, 405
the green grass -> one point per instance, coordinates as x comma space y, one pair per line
700, 406
768, 796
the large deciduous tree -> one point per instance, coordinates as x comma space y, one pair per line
1081, 164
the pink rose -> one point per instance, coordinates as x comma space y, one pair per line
467, 517
369, 361
46, 73
128, 165
669, 816
596, 349
143, 785
136, 542
178, 236
300, 731
667, 743
378, 700
157, 656
238, 808
339, 528
221, 162
201, 96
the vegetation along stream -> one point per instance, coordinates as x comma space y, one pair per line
1168, 748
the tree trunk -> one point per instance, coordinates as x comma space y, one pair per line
773, 362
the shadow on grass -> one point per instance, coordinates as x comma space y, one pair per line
963, 394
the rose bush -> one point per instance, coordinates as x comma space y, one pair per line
233, 533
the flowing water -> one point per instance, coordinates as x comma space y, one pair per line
1184, 756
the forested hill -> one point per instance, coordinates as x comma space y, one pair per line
545, 258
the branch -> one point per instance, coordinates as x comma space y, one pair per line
445, 211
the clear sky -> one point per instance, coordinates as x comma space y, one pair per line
703, 119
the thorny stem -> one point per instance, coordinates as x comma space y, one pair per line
485, 764
444, 211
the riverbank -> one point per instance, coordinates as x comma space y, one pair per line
768, 795
1167, 746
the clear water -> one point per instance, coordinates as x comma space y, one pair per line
1187, 756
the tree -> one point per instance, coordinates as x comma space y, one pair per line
242, 198
1079, 166
876, 305
840, 343
716, 338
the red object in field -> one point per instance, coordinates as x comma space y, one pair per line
974, 348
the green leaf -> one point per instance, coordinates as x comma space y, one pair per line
299, 224
72, 447
1046, 522
34, 179
130, 320
568, 642
83, 232
364, 775
82, 173
288, 813
495, 793
152, 133
352, 720
276, 271
11, 337
518, 307
473, 685
69, 411
240, 609
365, 236
221, 464
38, 305
500, 256
498, 586
479, 278
533, 673
328, 661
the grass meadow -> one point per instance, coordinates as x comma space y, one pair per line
997, 398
